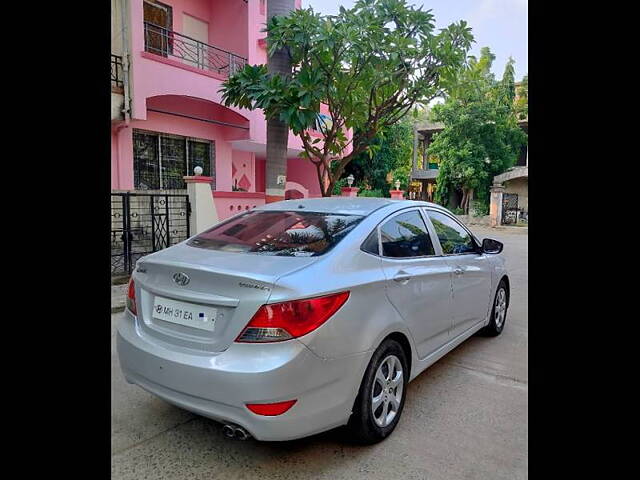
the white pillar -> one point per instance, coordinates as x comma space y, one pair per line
495, 208
203, 210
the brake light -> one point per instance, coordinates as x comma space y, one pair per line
131, 297
270, 409
282, 321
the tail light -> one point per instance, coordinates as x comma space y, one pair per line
270, 409
131, 297
282, 321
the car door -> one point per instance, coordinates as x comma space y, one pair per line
418, 282
471, 271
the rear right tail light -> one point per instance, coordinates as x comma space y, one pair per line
271, 409
131, 297
277, 322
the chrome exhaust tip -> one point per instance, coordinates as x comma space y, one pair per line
229, 431
241, 433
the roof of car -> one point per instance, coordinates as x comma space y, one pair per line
341, 205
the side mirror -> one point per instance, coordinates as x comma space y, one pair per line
491, 246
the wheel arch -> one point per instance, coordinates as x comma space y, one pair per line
402, 339
505, 277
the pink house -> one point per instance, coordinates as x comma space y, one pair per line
179, 53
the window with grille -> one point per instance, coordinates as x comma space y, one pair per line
160, 161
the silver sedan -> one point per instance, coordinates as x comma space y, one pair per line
305, 315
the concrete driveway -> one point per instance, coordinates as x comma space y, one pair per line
465, 418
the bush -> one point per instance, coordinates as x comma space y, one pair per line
371, 193
337, 187
479, 208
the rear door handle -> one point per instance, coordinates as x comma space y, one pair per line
402, 277
458, 271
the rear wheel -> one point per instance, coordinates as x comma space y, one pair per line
499, 311
382, 393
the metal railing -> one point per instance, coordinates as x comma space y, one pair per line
143, 223
116, 71
167, 43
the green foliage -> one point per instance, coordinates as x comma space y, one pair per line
522, 102
391, 153
372, 193
369, 64
337, 187
481, 137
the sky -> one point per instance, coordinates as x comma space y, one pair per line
500, 25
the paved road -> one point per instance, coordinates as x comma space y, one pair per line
465, 418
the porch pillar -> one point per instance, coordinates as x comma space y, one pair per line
203, 210
350, 191
495, 209
397, 194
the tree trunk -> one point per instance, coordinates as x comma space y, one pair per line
277, 130
467, 193
463, 202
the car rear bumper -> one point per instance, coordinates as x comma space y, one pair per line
219, 385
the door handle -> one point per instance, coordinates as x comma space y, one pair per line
458, 271
402, 277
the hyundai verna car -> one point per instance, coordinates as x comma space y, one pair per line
305, 315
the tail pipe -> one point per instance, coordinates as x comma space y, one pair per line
230, 430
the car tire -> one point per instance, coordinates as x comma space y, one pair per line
498, 312
379, 404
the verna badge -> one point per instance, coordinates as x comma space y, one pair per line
181, 278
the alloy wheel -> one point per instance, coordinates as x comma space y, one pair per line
387, 389
500, 307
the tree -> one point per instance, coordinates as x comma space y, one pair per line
369, 65
522, 99
481, 137
278, 63
389, 153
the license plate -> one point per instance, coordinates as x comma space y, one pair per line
187, 314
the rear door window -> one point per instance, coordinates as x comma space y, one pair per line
284, 233
370, 245
406, 235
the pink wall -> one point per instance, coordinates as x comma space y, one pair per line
229, 204
229, 26
301, 170
244, 170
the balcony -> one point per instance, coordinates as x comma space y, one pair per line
429, 173
190, 52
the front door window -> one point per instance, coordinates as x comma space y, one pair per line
454, 239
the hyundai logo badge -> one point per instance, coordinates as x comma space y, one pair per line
181, 278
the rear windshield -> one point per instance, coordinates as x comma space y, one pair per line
291, 234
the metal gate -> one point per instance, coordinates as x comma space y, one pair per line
509, 208
143, 223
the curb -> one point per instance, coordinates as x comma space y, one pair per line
117, 308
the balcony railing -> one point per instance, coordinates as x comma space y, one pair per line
116, 72
170, 44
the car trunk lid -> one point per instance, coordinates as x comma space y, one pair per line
229, 287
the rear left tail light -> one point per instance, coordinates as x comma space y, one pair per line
282, 321
131, 297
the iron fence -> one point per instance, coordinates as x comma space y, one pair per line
167, 43
509, 208
116, 71
143, 223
